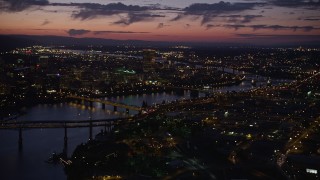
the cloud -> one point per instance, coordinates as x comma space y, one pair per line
136, 17
312, 4
209, 11
279, 27
261, 27
161, 25
222, 6
21, 5
128, 13
206, 12
92, 10
233, 26
272, 37
133, 13
45, 22
117, 32
241, 18
310, 18
178, 17
77, 32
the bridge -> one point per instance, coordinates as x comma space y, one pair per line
107, 123
209, 90
64, 124
180, 89
107, 102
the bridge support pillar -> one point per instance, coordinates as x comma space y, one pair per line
115, 108
194, 93
111, 123
65, 145
20, 139
90, 131
179, 92
127, 111
91, 104
103, 106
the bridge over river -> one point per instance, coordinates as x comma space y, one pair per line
63, 124
107, 102
108, 124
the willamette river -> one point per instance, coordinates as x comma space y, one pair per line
39, 144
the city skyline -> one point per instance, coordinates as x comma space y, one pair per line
261, 22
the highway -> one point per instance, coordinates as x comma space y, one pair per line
295, 141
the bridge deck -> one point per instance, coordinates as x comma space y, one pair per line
63, 124
130, 107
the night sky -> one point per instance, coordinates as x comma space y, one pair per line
252, 21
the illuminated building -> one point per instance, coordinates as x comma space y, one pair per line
149, 61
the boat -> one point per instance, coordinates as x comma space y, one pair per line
54, 158
269, 82
253, 82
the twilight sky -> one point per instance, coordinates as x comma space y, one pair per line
244, 21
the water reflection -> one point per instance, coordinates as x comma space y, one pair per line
38, 144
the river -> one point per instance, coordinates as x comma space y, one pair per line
39, 144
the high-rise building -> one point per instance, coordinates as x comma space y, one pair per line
149, 61
43, 61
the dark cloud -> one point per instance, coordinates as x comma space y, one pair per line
90, 14
161, 25
222, 6
41, 29
45, 22
279, 27
107, 7
281, 38
209, 26
205, 11
77, 32
269, 27
20, 5
272, 35
312, 4
129, 13
209, 11
178, 17
134, 17
310, 18
92, 10
117, 32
